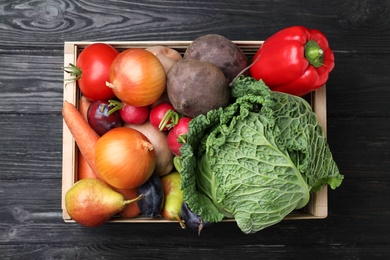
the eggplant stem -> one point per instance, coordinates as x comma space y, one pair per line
200, 227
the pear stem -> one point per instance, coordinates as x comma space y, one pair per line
140, 197
181, 222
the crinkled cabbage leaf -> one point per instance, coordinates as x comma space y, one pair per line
257, 159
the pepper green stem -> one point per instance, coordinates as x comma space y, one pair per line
314, 54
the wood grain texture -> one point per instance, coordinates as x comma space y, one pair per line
40, 23
32, 35
37, 87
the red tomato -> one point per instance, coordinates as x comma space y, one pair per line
95, 62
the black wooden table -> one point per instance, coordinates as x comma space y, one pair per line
32, 35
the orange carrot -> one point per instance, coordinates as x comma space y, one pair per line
84, 170
131, 210
84, 104
86, 138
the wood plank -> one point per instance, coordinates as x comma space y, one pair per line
351, 25
122, 250
357, 87
31, 82
360, 144
30, 146
355, 83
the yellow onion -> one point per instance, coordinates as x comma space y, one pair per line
124, 158
164, 161
137, 77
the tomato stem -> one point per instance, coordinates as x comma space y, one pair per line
73, 71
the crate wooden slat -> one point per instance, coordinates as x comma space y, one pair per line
316, 208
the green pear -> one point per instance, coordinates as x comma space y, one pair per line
91, 202
173, 195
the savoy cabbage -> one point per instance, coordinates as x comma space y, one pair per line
257, 159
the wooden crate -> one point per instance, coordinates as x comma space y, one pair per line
316, 208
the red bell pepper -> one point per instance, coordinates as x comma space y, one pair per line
295, 60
